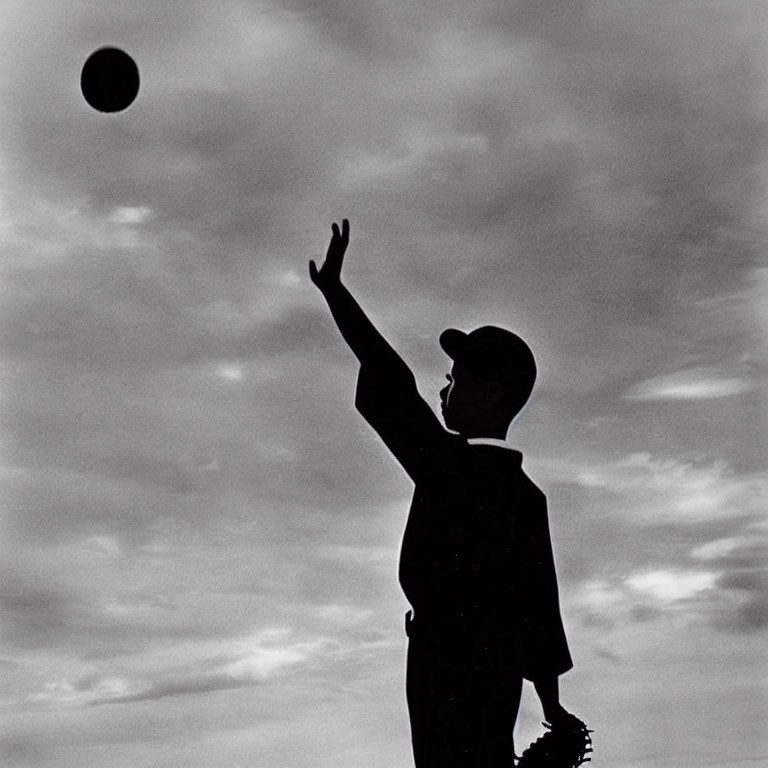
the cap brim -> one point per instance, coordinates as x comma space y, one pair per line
453, 342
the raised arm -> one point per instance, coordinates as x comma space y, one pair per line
386, 395
365, 341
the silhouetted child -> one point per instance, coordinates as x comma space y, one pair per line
476, 563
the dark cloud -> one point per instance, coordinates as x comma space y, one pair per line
607, 654
39, 616
21, 750
35, 616
745, 581
597, 621
753, 614
654, 172
645, 613
372, 31
749, 587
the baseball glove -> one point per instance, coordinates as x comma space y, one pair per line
566, 744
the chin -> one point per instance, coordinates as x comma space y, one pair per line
449, 422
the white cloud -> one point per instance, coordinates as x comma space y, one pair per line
714, 550
289, 278
749, 548
67, 692
230, 371
130, 214
645, 593
657, 490
239, 663
727, 595
692, 384
667, 586
600, 594
265, 653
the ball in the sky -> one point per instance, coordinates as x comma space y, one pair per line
109, 80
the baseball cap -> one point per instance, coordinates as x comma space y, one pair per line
493, 353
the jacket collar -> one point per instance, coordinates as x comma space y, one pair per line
489, 441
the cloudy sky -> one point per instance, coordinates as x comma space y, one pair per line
200, 535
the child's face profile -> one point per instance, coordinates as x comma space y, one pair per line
470, 405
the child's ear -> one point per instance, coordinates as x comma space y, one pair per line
493, 394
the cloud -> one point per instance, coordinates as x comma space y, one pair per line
643, 595
747, 549
36, 614
240, 663
63, 605
130, 215
742, 561
372, 31
723, 586
669, 586
668, 490
695, 597
87, 298
693, 384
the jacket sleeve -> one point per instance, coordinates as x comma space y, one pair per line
542, 643
388, 399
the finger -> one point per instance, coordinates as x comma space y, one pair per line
345, 229
335, 228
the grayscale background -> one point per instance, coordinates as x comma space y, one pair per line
200, 535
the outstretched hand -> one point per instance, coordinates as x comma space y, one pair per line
330, 273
